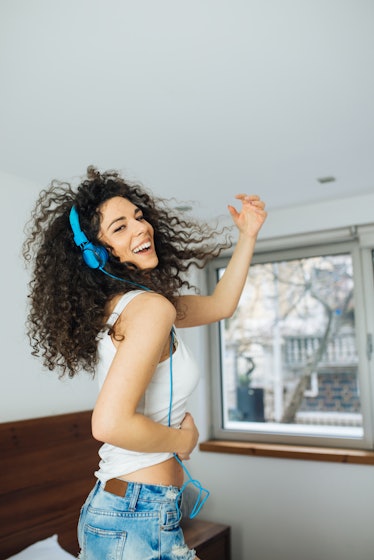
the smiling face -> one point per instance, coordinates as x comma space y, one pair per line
127, 234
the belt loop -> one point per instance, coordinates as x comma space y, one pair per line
134, 496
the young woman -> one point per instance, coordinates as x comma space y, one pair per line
109, 268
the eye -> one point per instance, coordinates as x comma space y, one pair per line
140, 218
119, 228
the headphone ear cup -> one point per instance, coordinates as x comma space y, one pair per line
95, 256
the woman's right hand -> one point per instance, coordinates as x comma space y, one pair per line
192, 435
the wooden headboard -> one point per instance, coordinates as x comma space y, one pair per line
47, 470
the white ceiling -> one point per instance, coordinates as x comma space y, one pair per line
196, 99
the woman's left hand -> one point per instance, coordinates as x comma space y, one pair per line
251, 215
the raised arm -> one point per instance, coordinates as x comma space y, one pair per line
146, 326
201, 310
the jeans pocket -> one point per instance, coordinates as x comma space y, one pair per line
103, 543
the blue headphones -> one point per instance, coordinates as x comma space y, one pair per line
95, 256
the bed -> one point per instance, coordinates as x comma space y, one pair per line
47, 467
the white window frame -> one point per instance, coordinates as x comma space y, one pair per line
360, 242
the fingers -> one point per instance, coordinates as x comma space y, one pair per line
249, 204
184, 456
233, 211
252, 199
247, 197
187, 418
252, 214
190, 428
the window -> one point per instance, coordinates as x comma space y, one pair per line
295, 359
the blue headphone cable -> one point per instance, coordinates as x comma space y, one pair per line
203, 493
96, 257
123, 280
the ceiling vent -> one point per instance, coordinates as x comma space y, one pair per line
328, 179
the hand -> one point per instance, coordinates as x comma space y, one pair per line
188, 425
251, 216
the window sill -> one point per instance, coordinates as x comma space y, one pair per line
328, 454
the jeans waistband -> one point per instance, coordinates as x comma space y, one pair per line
136, 490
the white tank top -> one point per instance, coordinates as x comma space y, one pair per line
116, 461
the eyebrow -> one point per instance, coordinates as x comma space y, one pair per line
123, 218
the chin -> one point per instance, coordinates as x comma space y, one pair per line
149, 267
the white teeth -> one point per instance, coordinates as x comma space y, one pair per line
141, 247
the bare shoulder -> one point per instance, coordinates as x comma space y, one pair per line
150, 304
145, 315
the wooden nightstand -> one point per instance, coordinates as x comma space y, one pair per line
210, 540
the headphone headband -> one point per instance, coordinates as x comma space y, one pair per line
95, 256
79, 237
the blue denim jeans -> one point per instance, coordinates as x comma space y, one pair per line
143, 525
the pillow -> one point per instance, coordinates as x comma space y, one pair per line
48, 549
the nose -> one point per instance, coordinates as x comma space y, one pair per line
139, 226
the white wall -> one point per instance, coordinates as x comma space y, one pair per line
278, 509
27, 391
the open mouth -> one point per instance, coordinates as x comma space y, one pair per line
143, 248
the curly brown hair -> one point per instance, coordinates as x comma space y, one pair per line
67, 298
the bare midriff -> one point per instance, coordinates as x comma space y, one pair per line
167, 473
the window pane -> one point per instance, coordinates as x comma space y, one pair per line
289, 357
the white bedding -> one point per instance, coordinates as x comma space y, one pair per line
47, 549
